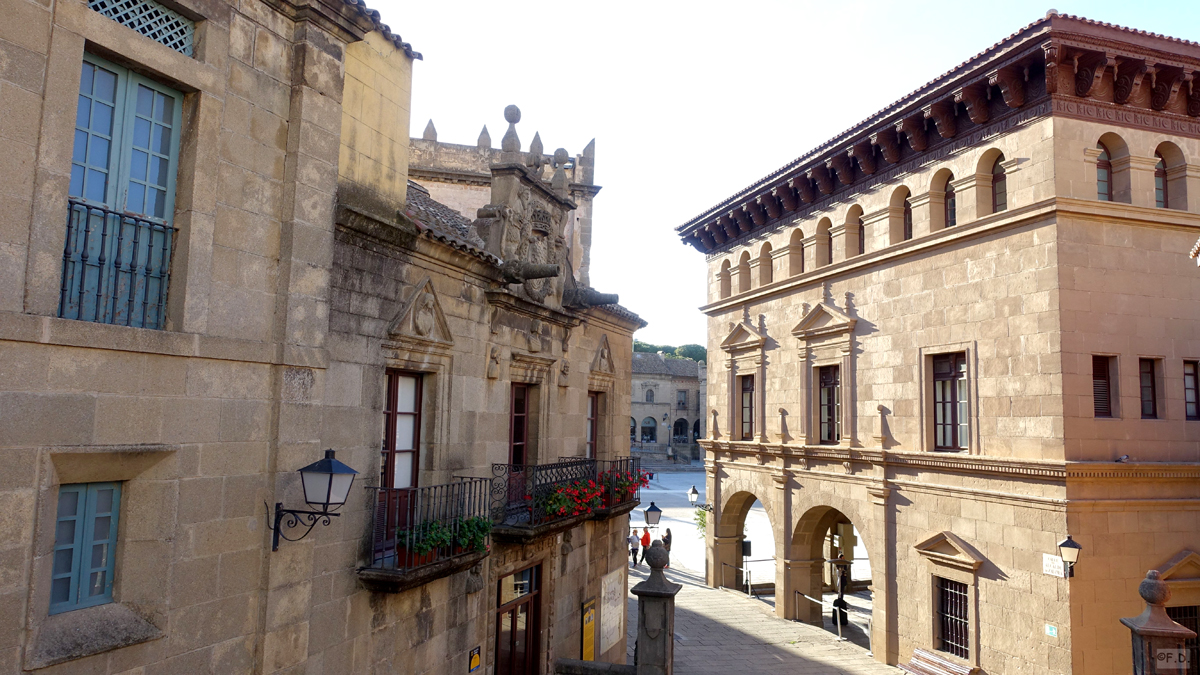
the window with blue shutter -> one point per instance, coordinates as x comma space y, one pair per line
85, 541
117, 254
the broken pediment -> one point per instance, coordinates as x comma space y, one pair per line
421, 318
1183, 569
946, 548
743, 336
823, 319
603, 362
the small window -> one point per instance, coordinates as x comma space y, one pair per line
649, 396
400, 464
85, 542
681, 398
632, 430
828, 247
518, 444
999, 186
862, 236
161, 24
951, 204
1160, 182
747, 407
829, 411
1101, 387
1104, 174
1190, 398
950, 421
953, 624
593, 415
1149, 389
908, 219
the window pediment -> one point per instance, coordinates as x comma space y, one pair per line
743, 337
421, 319
946, 548
1183, 569
823, 320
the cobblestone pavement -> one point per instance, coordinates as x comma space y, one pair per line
724, 633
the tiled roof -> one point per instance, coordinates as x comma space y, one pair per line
624, 313
646, 363
1195, 252
373, 15
444, 224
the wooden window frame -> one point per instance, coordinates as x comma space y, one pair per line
681, 399
390, 417
999, 186
1102, 387
958, 390
907, 219
829, 415
649, 396
747, 406
1148, 386
950, 204
516, 444
1104, 174
82, 543
1162, 198
533, 629
949, 620
589, 444
1191, 388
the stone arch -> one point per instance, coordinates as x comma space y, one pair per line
632, 429
856, 232
796, 253
679, 431
807, 571
724, 278
900, 215
1170, 176
649, 431
824, 243
943, 202
765, 273
990, 186
737, 496
743, 272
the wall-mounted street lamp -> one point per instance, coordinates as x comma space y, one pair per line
693, 495
652, 515
1068, 550
326, 485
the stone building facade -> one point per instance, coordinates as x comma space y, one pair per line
666, 414
966, 327
214, 268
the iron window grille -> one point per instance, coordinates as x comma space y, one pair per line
159, 23
85, 543
1101, 387
1103, 174
1149, 389
1191, 392
747, 407
400, 460
953, 624
1160, 182
1188, 616
950, 421
999, 186
830, 404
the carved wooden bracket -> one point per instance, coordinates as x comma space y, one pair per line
840, 164
722, 228
1128, 78
865, 154
804, 189
886, 140
942, 114
1193, 101
786, 197
757, 214
1089, 69
974, 96
1011, 81
708, 239
1167, 80
744, 224
914, 129
770, 204
820, 176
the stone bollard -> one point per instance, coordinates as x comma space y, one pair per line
655, 650
1158, 642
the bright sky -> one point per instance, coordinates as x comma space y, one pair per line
690, 102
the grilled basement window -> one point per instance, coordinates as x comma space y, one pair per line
161, 24
950, 422
1101, 387
1191, 400
1149, 389
953, 626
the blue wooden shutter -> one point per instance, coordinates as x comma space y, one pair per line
68, 541
84, 546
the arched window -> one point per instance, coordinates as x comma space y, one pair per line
649, 430
824, 243
649, 396
999, 186
743, 272
632, 429
765, 273
695, 430
796, 253
951, 204
679, 433
1104, 174
829, 246
1160, 182
724, 277
908, 228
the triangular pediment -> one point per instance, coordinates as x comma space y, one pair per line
1185, 566
421, 318
946, 548
823, 319
743, 336
603, 361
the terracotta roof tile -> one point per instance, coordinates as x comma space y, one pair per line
373, 15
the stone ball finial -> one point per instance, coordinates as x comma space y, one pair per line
1051, 13
657, 556
1154, 590
560, 157
512, 114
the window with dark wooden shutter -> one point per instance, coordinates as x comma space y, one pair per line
1191, 399
1101, 391
1149, 389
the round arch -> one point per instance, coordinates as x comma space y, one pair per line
943, 203
765, 273
824, 242
823, 533
856, 232
743, 272
796, 253
724, 279
900, 219
679, 431
649, 430
1170, 173
632, 429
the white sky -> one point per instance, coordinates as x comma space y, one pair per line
690, 102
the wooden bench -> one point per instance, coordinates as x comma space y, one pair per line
924, 662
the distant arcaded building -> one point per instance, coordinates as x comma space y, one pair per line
968, 326
667, 408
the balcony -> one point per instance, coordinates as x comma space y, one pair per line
536, 500
425, 533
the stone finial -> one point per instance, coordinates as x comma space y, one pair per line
510, 142
536, 160
430, 132
657, 585
1153, 589
559, 182
587, 164
485, 139
1154, 630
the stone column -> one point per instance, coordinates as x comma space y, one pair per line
655, 651
884, 637
849, 435
760, 403
783, 539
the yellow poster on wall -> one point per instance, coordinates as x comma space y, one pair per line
588, 652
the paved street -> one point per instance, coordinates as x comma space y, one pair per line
723, 632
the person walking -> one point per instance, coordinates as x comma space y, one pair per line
666, 540
634, 542
645, 542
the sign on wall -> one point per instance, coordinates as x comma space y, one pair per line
612, 609
474, 662
588, 614
1053, 566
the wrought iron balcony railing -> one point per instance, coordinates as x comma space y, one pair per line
621, 481
116, 267
529, 496
426, 526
